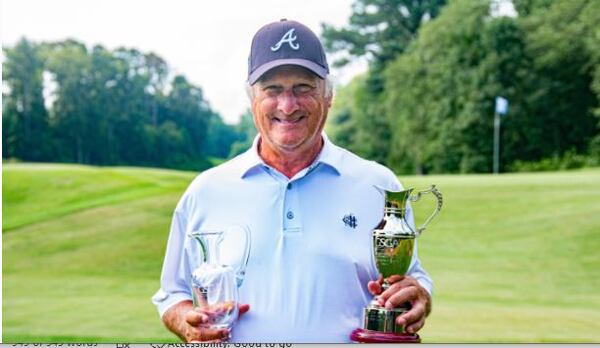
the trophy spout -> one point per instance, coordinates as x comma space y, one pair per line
397, 200
208, 242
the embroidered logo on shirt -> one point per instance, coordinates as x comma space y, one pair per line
350, 220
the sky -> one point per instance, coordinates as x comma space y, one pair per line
207, 41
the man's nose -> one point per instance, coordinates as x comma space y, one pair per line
287, 103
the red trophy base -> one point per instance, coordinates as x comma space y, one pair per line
369, 336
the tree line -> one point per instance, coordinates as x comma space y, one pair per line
63, 102
426, 104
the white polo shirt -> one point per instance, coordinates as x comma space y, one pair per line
310, 259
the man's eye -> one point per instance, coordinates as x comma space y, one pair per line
303, 88
272, 89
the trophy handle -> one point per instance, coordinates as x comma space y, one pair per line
438, 207
245, 239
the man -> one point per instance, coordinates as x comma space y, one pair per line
310, 205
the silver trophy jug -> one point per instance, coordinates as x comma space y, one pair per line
393, 245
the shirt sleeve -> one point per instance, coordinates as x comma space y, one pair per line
416, 270
174, 284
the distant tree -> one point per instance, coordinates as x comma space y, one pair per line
137, 103
562, 37
527, 7
440, 93
166, 141
24, 119
108, 107
220, 138
156, 70
341, 126
189, 111
73, 124
592, 45
357, 120
431, 93
246, 132
105, 109
379, 30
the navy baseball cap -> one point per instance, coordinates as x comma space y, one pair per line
285, 43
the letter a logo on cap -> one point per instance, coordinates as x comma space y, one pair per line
288, 38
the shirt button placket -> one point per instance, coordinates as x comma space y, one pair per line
291, 223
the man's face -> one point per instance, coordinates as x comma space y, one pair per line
290, 108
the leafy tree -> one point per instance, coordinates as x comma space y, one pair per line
560, 38
70, 65
109, 107
246, 133
220, 137
341, 126
358, 121
379, 29
189, 111
24, 120
591, 20
443, 88
527, 7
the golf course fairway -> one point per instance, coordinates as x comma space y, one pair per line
514, 257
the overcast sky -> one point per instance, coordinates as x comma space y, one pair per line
207, 41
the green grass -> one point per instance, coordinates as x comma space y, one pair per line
82, 251
514, 258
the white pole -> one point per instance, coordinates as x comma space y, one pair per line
496, 142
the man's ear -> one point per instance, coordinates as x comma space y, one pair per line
330, 100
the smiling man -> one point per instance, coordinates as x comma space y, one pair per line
290, 107
311, 207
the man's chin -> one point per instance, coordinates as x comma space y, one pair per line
289, 141
289, 146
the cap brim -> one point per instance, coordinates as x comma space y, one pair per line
261, 70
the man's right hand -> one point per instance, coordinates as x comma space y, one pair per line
192, 324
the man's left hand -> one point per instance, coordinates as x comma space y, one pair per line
404, 289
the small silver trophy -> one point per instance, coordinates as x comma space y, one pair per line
393, 245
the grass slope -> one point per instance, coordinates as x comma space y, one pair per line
514, 257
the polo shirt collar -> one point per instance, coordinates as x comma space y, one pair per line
330, 155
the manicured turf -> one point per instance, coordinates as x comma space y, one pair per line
515, 258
